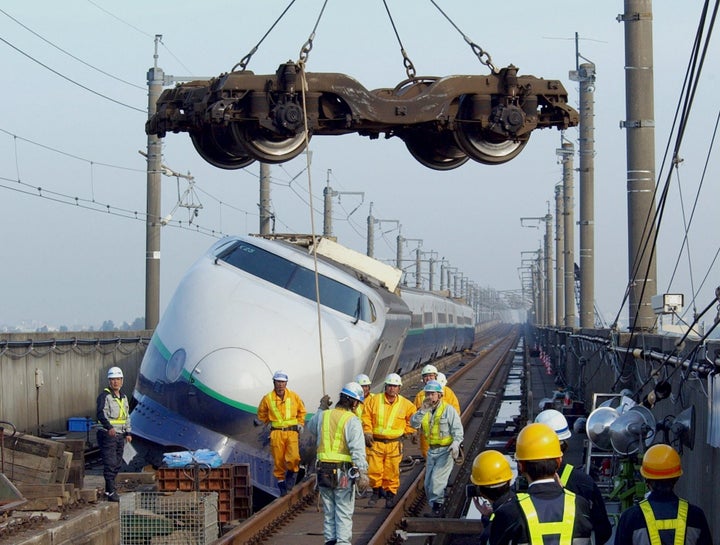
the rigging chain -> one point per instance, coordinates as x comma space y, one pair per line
307, 46
482, 55
409, 68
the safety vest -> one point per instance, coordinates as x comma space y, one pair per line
538, 529
565, 477
385, 419
654, 525
332, 447
121, 420
280, 422
431, 427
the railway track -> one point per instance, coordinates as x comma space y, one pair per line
475, 378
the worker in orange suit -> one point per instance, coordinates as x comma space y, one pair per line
386, 420
428, 373
284, 412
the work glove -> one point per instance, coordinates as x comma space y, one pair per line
362, 482
369, 440
325, 402
427, 405
409, 436
455, 449
300, 428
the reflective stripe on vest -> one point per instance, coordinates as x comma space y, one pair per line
537, 529
654, 525
384, 421
332, 448
279, 421
121, 420
565, 477
431, 429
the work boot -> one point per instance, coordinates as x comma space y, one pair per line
331, 542
290, 479
437, 510
390, 499
377, 493
112, 496
283, 488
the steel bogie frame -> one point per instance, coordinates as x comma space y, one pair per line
240, 117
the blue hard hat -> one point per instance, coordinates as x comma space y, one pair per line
433, 386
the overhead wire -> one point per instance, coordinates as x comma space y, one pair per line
116, 78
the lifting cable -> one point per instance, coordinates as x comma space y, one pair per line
409, 68
482, 55
304, 53
246, 59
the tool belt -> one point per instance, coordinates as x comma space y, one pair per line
288, 428
334, 465
386, 439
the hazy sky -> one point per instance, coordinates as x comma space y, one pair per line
73, 127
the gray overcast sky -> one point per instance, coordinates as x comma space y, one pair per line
65, 264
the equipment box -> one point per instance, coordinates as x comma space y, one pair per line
79, 424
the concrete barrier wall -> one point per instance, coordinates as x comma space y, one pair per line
74, 370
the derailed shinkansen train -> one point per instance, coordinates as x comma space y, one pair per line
247, 308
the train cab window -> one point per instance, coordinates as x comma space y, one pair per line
428, 318
299, 280
416, 321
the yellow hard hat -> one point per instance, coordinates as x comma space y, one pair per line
661, 462
537, 441
490, 468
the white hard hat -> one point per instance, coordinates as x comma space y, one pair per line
442, 379
556, 421
363, 380
280, 375
354, 391
393, 379
115, 372
429, 370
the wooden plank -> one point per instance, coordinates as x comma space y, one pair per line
30, 461
33, 445
53, 503
32, 491
88, 495
19, 474
63, 471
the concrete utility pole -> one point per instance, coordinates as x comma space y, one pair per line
547, 281
328, 194
640, 141
585, 74
266, 216
372, 220
559, 261
156, 79
566, 153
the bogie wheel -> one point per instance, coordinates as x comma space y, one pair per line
218, 147
435, 150
267, 146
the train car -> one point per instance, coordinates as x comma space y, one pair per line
247, 308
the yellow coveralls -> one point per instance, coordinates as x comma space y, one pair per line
284, 416
387, 422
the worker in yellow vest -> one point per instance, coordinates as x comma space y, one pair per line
663, 518
284, 411
442, 429
341, 463
113, 414
491, 478
428, 373
386, 419
547, 510
578, 481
